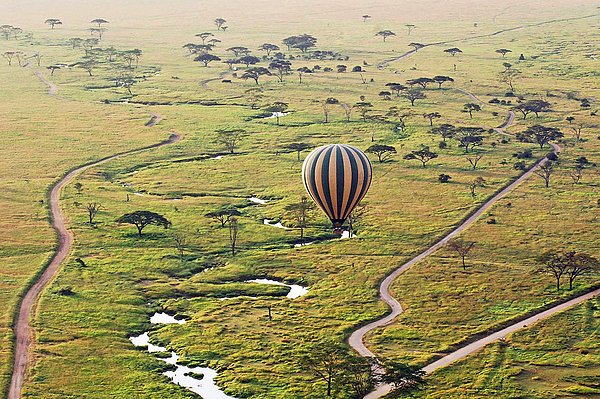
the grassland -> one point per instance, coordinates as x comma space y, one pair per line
82, 344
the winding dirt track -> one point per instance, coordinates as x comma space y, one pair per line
24, 332
356, 340
52, 88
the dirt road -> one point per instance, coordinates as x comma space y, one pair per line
24, 332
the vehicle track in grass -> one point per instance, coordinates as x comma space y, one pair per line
23, 330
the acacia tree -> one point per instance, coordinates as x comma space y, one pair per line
463, 248
397, 87
347, 111
469, 139
535, 106
234, 230
410, 27
453, 51
540, 135
403, 378
545, 171
230, 138
416, 46
326, 107
248, 60
365, 17
141, 219
382, 151
299, 212
503, 51
278, 108
509, 77
440, 80
220, 23
281, 67
223, 214
474, 160
99, 21
255, 73
207, 58
53, 22
423, 154
92, 209
298, 148
431, 116
553, 264
239, 50
363, 108
413, 94
580, 264
204, 35
180, 241
475, 184
268, 48
470, 107
325, 362
445, 130
52, 68
385, 34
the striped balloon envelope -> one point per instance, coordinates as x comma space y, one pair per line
337, 177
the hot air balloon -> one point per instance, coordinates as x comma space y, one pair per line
337, 177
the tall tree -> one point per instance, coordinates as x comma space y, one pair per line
53, 22
475, 184
423, 154
463, 248
99, 21
470, 137
382, 151
278, 108
440, 80
385, 34
410, 28
540, 135
327, 107
535, 106
141, 219
363, 108
503, 51
234, 230
554, 264
403, 378
325, 361
223, 214
470, 108
281, 68
206, 59
255, 73
445, 130
431, 116
92, 209
414, 94
204, 35
230, 138
545, 171
220, 23
268, 48
299, 212
298, 148
580, 264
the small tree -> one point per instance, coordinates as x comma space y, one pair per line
357, 217
470, 107
223, 215
234, 230
79, 187
403, 378
326, 107
99, 21
255, 73
268, 48
92, 209
141, 219
414, 94
298, 148
278, 108
180, 241
230, 138
53, 22
503, 51
385, 34
423, 154
445, 130
509, 77
431, 116
580, 264
299, 212
347, 111
410, 27
545, 171
204, 36
453, 51
281, 67
474, 160
416, 46
475, 184
463, 248
206, 58
220, 23
365, 17
325, 362
363, 108
382, 151
553, 264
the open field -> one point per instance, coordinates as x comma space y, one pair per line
88, 313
